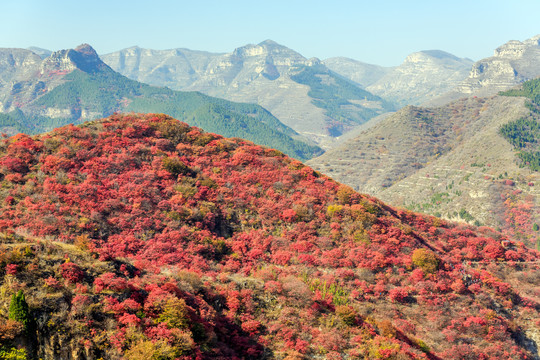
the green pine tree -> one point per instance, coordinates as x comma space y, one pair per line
18, 309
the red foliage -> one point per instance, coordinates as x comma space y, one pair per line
71, 272
11, 269
264, 251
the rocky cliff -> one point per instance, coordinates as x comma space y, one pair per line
24, 75
361, 73
511, 64
422, 76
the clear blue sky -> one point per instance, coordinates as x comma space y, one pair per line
382, 32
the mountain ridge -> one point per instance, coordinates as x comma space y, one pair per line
74, 85
261, 73
453, 160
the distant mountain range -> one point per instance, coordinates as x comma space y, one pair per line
70, 86
303, 93
421, 77
321, 100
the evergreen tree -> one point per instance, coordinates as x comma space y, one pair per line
18, 309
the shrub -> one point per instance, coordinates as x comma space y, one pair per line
426, 260
347, 314
10, 329
148, 350
174, 313
12, 353
176, 167
71, 272
387, 329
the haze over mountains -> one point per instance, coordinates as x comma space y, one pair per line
302, 93
423, 76
511, 64
74, 85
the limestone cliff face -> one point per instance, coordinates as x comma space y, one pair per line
24, 75
510, 65
17, 67
83, 57
175, 68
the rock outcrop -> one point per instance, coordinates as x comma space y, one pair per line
361, 73
511, 64
24, 75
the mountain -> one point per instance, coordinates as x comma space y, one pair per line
303, 93
140, 237
423, 76
361, 73
74, 85
511, 64
43, 53
452, 161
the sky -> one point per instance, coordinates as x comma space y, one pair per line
381, 32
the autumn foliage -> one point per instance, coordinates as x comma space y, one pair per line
163, 241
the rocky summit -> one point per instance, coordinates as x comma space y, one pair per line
511, 64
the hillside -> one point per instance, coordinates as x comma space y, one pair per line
269, 74
137, 236
75, 85
449, 161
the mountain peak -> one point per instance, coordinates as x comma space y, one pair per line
432, 55
269, 42
535, 40
515, 49
86, 50
83, 57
